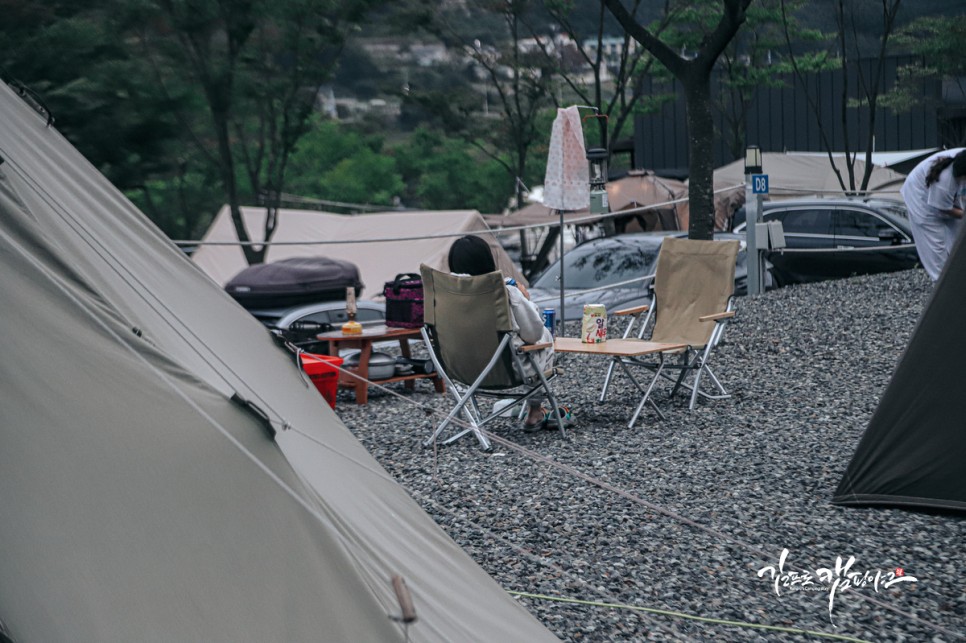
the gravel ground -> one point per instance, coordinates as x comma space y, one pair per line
679, 515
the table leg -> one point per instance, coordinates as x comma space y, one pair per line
404, 350
362, 383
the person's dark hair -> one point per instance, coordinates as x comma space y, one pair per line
471, 255
959, 167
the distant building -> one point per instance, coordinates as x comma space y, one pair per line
612, 48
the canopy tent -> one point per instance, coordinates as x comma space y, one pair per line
142, 497
382, 244
800, 174
637, 189
902, 161
912, 452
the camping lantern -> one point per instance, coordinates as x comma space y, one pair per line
753, 160
597, 157
351, 327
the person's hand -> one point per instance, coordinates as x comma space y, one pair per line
523, 289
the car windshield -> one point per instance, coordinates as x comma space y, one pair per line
601, 265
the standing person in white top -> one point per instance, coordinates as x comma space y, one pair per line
471, 255
934, 193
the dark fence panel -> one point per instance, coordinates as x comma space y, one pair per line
790, 117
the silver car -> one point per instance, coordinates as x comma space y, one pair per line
300, 324
604, 263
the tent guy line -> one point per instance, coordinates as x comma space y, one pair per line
693, 617
613, 603
551, 223
539, 560
635, 499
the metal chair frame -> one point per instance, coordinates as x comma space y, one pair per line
467, 394
693, 359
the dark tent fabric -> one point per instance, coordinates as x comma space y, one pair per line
913, 453
139, 502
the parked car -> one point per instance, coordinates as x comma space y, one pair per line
612, 260
835, 238
300, 324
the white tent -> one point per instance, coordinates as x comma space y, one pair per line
794, 174
382, 245
142, 493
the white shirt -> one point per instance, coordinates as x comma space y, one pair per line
935, 200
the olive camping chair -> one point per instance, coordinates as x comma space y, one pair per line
691, 303
468, 330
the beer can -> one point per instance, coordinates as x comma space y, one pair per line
549, 319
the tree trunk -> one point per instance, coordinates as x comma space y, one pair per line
697, 87
252, 256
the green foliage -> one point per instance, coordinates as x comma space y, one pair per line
364, 177
182, 204
939, 40
442, 173
336, 163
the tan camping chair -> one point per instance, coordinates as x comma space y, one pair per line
693, 300
468, 331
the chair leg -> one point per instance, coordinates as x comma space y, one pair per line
474, 420
703, 366
466, 398
647, 396
717, 383
474, 428
697, 387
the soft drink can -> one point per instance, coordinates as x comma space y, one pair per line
549, 317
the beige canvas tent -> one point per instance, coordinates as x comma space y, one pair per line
802, 174
165, 472
790, 175
382, 245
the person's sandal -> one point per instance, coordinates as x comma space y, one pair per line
535, 426
550, 420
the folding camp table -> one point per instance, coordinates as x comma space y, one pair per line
622, 348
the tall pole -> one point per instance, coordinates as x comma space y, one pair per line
751, 236
753, 177
560, 314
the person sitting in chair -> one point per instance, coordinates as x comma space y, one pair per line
471, 255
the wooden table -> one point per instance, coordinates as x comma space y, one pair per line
359, 381
613, 347
622, 348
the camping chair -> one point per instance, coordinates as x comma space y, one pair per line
692, 301
468, 331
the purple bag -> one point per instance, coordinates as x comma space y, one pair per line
404, 301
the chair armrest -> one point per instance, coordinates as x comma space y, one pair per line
717, 316
526, 348
636, 310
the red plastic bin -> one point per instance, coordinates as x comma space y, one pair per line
323, 370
